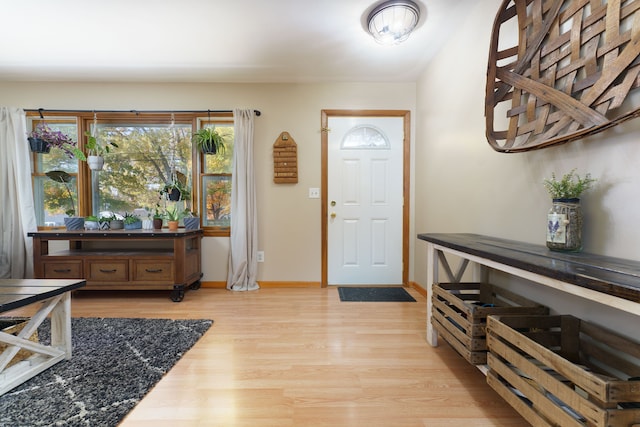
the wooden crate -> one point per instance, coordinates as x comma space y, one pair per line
13, 326
562, 371
460, 313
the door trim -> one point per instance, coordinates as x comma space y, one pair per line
406, 182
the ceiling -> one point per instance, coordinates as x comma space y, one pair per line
257, 41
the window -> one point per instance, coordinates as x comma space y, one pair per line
152, 152
54, 200
216, 179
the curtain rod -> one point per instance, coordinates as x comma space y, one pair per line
42, 110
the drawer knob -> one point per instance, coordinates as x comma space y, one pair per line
62, 270
102, 270
153, 270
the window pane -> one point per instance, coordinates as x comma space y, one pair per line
53, 201
216, 201
148, 157
221, 163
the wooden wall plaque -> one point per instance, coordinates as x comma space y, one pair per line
285, 160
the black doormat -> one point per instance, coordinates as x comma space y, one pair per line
374, 294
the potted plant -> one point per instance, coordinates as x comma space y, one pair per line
96, 151
72, 222
43, 138
103, 222
176, 190
91, 223
564, 220
157, 218
209, 141
132, 221
173, 215
191, 220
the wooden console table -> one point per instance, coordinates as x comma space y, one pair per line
54, 298
123, 259
611, 281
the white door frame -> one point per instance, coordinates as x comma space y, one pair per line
405, 114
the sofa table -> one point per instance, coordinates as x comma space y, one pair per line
54, 297
122, 259
611, 281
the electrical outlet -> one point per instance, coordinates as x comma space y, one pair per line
314, 193
260, 256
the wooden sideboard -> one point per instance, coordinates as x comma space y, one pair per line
122, 259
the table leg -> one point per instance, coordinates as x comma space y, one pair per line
61, 325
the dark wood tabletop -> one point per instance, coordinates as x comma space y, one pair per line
16, 293
614, 276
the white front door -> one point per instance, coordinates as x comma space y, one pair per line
365, 200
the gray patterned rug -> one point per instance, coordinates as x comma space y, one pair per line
115, 363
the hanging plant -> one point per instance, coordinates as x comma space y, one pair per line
46, 138
209, 141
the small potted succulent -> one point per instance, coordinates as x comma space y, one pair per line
103, 222
131, 221
91, 223
42, 139
173, 216
157, 218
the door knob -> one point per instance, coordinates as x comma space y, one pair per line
333, 214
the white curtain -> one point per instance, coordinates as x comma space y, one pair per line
18, 215
243, 264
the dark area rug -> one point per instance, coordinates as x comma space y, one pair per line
115, 363
374, 294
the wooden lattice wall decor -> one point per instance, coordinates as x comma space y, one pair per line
285, 160
574, 64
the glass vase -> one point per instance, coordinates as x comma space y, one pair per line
564, 225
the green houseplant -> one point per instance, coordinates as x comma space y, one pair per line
96, 151
564, 219
209, 141
132, 221
42, 139
173, 215
570, 186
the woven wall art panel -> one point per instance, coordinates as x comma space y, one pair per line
569, 74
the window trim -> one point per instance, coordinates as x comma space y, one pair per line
84, 120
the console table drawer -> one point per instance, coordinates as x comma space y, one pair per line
114, 271
152, 270
63, 270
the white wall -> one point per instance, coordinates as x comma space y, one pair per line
462, 185
289, 222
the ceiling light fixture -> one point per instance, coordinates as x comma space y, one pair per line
391, 22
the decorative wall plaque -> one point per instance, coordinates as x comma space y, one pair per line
285, 160
569, 74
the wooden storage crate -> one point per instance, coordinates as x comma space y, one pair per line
460, 313
13, 326
562, 371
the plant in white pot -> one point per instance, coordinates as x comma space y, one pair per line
96, 151
564, 220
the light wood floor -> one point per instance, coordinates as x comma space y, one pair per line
300, 357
